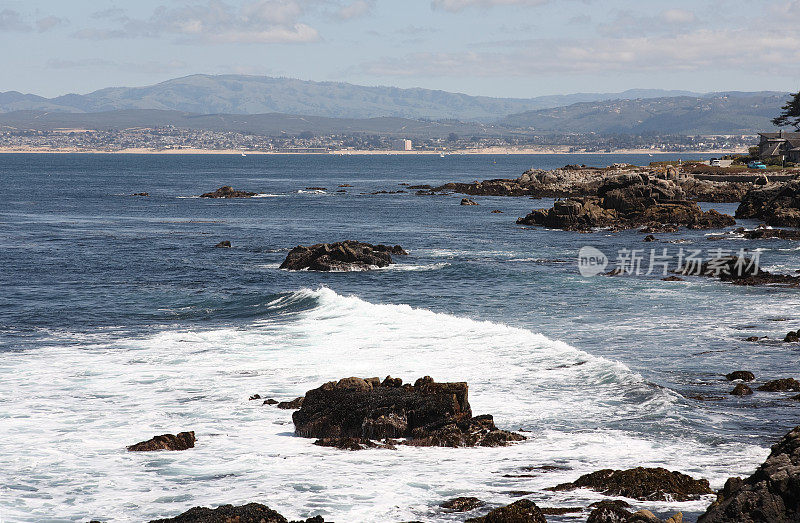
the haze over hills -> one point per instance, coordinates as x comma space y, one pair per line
720, 113
238, 94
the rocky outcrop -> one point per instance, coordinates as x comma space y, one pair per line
341, 256
225, 244
574, 181
776, 204
792, 337
228, 192
770, 495
739, 271
744, 375
741, 390
467, 201
625, 202
250, 513
781, 385
425, 414
646, 484
181, 441
291, 405
522, 511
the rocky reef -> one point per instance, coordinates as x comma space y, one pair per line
353, 411
575, 181
340, 256
776, 204
522, 511
739, 270
646, 484
629, 201
228, 192
181, 441
771, 494
250, 513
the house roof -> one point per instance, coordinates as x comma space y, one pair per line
780, 136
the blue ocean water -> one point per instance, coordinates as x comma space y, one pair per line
119, 320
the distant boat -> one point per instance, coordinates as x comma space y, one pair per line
441, 155
243, 154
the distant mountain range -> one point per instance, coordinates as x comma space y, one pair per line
720, 113
238, 94
267, 105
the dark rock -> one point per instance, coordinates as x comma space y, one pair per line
776, 204
291, 405
316, 189
255, 397
771, 494
672, 278
646, 484
227, 192
225, 244
752, 338
744, 375
739, 271
628, 201
741, 390
781, 385
270, 401
462, 504
181, 441
427, 413
609, 512
341, 256
762, 233
522, 511
140, 194
353, 443
250, 513
496, 211
345, 185
560, 511
792, 337
649, 238
467, 201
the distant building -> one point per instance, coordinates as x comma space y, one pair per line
402, 145
776, 145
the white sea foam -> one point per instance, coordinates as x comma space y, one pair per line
67, 413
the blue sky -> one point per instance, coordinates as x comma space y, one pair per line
518, 48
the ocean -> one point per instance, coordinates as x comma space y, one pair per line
119, 320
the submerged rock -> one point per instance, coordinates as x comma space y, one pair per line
225, 244
462, 504
228, 192
739, 271
341, 256
467, 201
776, 204
522, 511
250, 513
792, 337
181, 441
427, 414
646, 484
771, 494
291, 405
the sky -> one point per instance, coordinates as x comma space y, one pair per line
504, 48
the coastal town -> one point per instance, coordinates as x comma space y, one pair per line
173, 139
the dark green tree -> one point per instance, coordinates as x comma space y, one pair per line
790, 114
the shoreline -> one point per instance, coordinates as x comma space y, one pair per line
461, 152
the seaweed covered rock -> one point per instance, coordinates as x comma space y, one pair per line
646, 484
776, 204
228, 192
744, 375
340, 256
426, 414
181, 441
522, 511
771, 494
781, 385
462, 504
739, 270
627, 201
250, 513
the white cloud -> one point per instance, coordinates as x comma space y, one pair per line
355, 9
457, 5
706, 50
260, 21
49, 22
